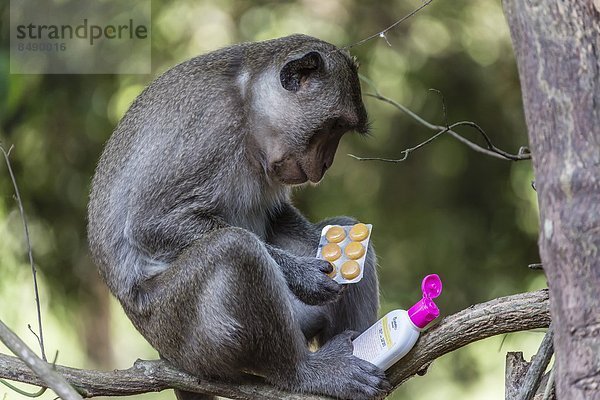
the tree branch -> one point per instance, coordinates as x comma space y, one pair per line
515, 377
516, 368
538, 366
406, 152
35, 366
503, 315
507, 314
490, 149
40, 337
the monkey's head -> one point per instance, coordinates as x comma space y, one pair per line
306, 99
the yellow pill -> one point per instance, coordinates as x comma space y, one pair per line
350, 269
359, 232
354, 250
331, 252
335, 234
333, 272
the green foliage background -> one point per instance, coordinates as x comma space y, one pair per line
446, 209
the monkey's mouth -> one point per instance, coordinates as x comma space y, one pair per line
289, 171
314, 173
299, 177
311, 164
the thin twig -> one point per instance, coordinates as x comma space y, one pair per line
23, 392
29, 249
33, 333
549, 385
383, 32
444, 109
406, 152
504, 337
491, 149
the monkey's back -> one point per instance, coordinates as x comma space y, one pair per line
164, 148
181, 139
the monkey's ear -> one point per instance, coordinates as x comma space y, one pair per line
296, 72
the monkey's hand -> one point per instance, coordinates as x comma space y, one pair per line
307, 277
311, 284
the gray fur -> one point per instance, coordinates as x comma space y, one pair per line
192, 228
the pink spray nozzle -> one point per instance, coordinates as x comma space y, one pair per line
425, 310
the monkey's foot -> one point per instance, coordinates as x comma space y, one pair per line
334, 371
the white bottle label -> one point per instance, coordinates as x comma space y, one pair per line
374, 342
388, 340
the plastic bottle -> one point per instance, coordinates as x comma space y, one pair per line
390, 338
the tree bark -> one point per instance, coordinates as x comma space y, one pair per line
516, 369
524, 380
536, 368
557, 47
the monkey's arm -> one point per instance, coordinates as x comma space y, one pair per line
291, 231
293, 247
293, 242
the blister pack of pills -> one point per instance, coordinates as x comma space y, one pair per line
345, 247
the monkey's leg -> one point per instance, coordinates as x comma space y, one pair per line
224, 306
